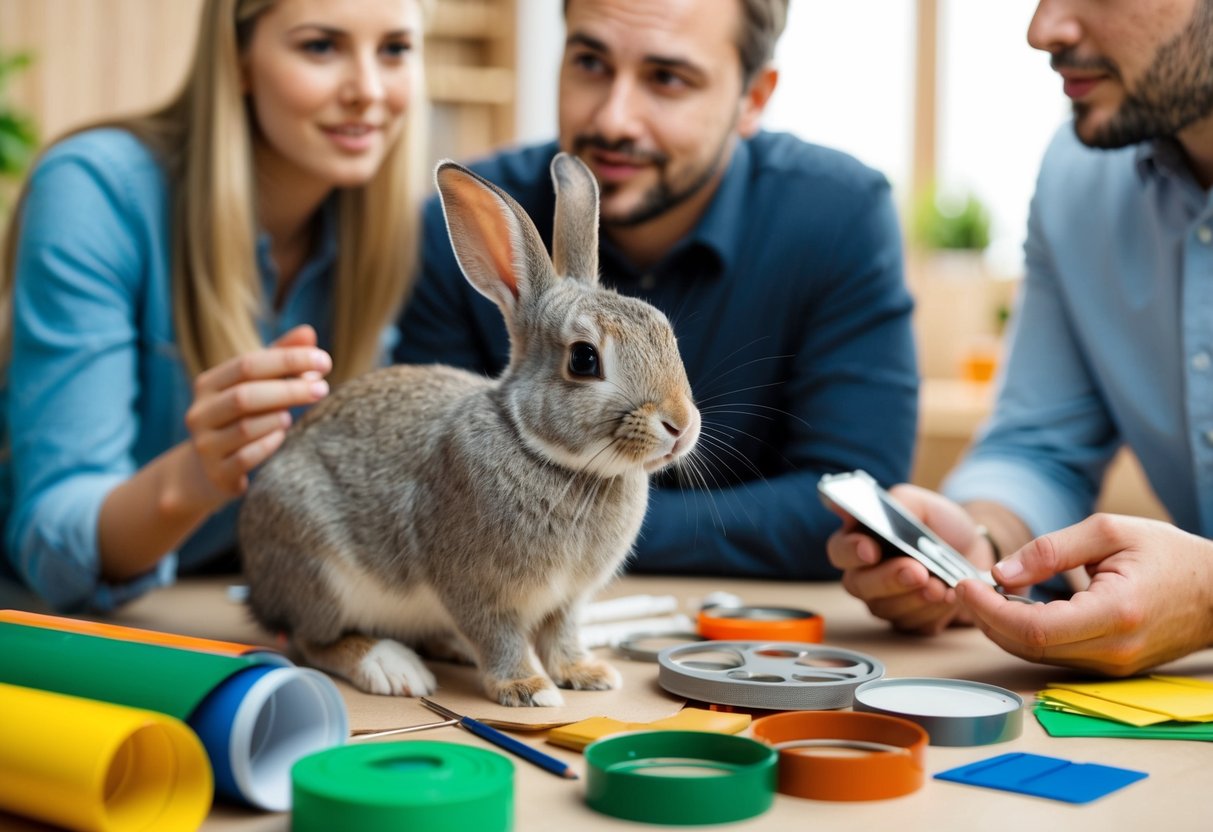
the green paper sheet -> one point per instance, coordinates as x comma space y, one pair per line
1062, 724
164, 679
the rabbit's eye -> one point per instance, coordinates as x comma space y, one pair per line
583, 360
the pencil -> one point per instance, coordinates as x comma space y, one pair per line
519, 749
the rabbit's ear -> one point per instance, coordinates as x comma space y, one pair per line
575, 238
495, 242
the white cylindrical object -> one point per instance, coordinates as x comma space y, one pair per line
627, 606
611, 633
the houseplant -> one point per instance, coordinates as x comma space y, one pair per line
18, 135
960, 308
951, 222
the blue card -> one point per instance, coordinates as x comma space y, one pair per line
1041, 776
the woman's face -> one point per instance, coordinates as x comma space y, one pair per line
328, 83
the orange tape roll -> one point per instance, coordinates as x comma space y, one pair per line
890, 763
761, 624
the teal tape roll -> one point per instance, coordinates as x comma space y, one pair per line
420, 786
680, 777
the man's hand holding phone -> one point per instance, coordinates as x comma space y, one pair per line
901, 590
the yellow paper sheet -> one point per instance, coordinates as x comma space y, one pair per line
580, 734
1181, 700
1187, 680
1091, 706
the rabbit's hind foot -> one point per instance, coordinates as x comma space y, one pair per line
586, 673
524, 693
373, 665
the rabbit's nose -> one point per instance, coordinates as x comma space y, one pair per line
673, 430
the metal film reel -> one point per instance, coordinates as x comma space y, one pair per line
774, 675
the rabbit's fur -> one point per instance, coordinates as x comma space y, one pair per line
471, 517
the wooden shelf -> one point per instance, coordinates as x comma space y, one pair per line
469, 19
471, 85
470, 74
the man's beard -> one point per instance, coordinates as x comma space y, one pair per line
662, 197
1175, 91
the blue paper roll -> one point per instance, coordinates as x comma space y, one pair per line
259, 722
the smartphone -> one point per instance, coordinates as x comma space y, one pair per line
893, 526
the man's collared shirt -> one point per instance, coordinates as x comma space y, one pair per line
1112, 341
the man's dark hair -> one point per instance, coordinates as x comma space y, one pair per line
762, 23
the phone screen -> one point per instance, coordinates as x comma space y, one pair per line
860, 496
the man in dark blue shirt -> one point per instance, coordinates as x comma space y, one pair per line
778, 262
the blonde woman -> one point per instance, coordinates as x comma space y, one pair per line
152, 259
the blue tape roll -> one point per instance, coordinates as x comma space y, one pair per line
259, 722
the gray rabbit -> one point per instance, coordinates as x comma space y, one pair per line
471, 517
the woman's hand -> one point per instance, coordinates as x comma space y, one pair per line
1150, 599
900, 589
241, 408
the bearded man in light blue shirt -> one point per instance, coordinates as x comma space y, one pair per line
1113, 345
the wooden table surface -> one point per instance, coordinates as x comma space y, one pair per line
1177, 795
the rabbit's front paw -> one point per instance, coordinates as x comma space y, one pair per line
587, 674
391, 669
524, 693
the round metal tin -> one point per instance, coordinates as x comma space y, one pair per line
642, 647
954, 712
767, 623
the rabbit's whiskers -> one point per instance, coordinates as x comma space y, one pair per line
719, 408
711, 371
724, 408
743, 365
714, 440
694, 466
704, 452
739, 390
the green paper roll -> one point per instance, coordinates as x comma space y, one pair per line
96, 767
137, 675
421, 786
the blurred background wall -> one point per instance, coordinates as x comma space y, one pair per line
944, 96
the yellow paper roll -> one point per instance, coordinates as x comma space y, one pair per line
97, 767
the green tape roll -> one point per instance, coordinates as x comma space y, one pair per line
421, 786
680, 777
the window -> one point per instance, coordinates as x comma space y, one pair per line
847, 81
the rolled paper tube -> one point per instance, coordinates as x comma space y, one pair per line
259, 722
164, 679
116, 631
97, 767
254, 727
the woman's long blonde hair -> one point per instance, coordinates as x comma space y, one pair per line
204, 138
